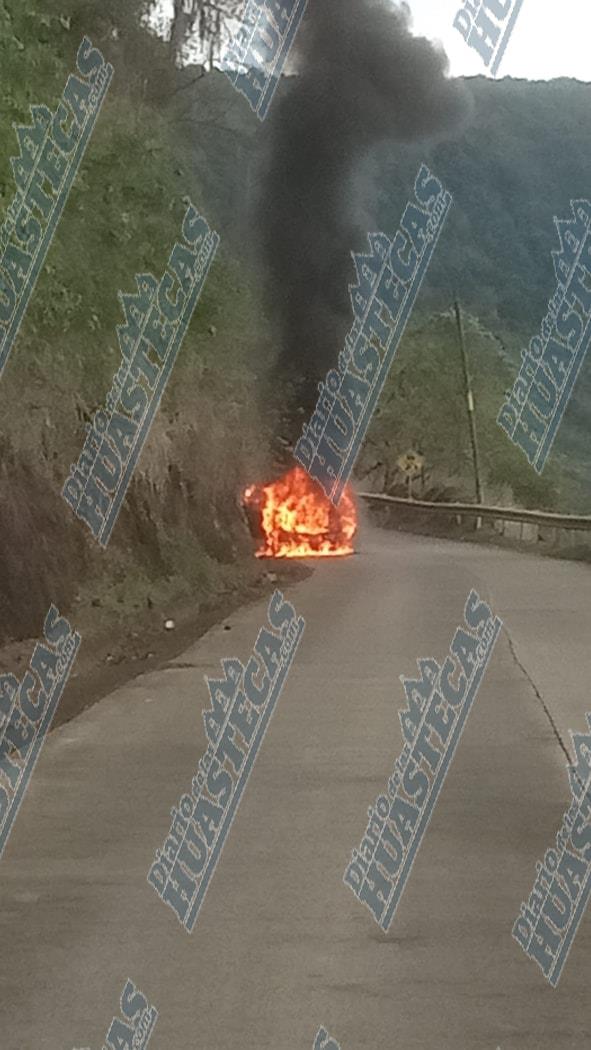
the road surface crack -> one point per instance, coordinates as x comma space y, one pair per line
537, 692
182, 666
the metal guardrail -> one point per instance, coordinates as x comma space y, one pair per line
476, 510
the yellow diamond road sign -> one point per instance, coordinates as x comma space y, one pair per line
411, 463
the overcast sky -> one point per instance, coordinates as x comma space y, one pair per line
550, 39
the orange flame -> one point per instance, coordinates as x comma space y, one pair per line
299, 521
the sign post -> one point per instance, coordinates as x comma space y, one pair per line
412, 465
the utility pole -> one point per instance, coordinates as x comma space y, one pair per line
470, 408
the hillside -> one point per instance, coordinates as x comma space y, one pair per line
166, 134
516, 163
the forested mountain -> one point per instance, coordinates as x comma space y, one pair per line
518, 161
165, 134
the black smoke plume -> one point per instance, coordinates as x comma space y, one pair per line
362, 79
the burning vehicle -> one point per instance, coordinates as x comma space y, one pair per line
292, 518
362, 80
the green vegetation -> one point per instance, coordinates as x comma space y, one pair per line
423, 407
166, 134
518, 163
180, 531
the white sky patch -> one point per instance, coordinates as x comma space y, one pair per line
549, 39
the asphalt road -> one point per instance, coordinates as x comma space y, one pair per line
281, 946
